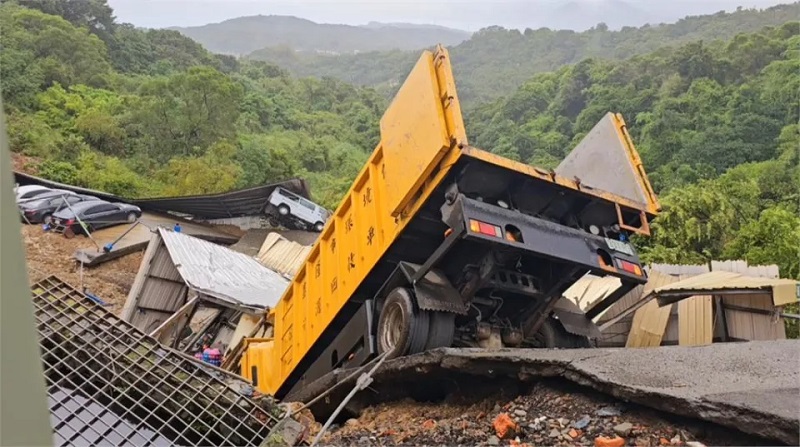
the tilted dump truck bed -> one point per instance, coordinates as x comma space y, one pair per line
391, 215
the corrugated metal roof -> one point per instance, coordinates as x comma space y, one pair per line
282, 255
222, 273
784, 291
591, 289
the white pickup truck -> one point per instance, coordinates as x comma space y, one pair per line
291, 205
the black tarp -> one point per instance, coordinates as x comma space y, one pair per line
243, 202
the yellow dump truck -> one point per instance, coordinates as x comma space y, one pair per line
439, 244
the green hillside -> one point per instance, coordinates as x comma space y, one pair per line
495, 60
244, 35
152, 113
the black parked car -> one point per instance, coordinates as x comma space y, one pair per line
41, 209
94, 214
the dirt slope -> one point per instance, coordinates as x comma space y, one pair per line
51, 254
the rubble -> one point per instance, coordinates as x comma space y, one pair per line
755, 394
474, 416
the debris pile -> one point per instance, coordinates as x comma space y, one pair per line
548, 413
109, 382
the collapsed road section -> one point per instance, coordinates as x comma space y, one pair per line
751, 387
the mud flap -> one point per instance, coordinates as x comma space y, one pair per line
574, 321
434, 291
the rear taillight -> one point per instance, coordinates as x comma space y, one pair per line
629, 267
70, 222
488, 229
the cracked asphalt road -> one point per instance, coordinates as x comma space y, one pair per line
751, 386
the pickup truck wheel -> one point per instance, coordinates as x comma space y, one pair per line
319, 226
401, 329
283, 210
47, 219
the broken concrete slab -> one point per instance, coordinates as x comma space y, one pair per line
751, 387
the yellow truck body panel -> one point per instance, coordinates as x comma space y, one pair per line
422, 137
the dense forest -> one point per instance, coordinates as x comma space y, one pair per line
147, 113
151, 113
495, 61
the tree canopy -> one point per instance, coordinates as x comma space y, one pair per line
150, 113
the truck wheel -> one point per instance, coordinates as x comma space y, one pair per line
441, 331
283, 210
401, 329
546, 337
319, 226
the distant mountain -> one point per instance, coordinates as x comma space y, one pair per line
244, 35
496, 60
582, 14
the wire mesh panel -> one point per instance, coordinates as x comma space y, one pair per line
111, 384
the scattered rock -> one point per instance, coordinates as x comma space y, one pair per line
676, 440
694, 444
573, 434
504, 426
520, 413
563, 421
351, 423
493, 440
608, 411
554, 433
623, 429
429, 424
583, 422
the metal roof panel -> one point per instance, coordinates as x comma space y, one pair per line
222, 273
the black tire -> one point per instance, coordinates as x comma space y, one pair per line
546, 337
132, 217
283, 210
441, 331
401, 329
47, 219
319, 226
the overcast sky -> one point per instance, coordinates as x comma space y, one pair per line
464, 14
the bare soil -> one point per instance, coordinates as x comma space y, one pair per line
51, 254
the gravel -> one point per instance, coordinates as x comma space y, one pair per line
547, 413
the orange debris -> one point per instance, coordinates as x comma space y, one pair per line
429, 424
504, 426
602, 441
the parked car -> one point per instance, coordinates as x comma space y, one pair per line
41, 208
26, 192
307, 212
94, 214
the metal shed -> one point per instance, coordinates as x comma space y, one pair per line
181, 273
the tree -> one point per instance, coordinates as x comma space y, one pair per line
95, 15
214, 172
184, 114
41, 49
